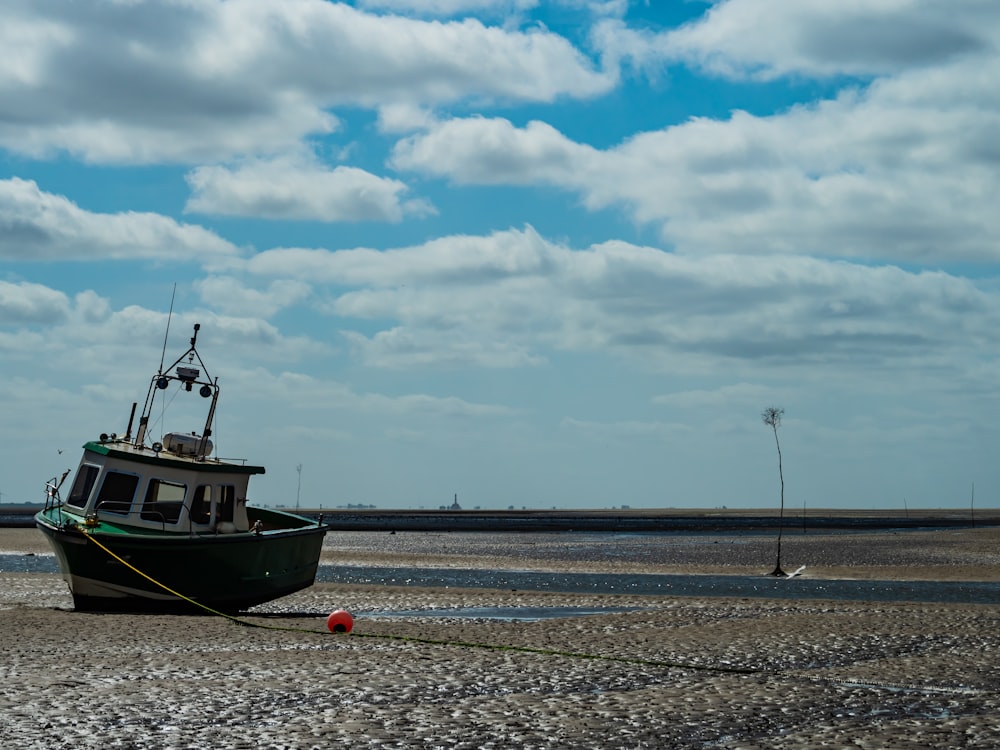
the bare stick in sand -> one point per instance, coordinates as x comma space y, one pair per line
772, 418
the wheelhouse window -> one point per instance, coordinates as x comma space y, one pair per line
117, 492
164, 501
86, 475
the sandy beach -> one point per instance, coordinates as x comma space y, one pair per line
641, 672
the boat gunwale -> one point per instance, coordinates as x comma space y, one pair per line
121, 531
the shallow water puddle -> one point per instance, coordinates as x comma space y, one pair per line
675, 585
20, 562
639, 584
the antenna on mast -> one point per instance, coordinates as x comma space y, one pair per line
170, 314
140, 434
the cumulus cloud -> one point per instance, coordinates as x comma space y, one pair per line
739, 395
232, 297
793, 231
506, 9
40, 226
448, 8
290, 189
530, 298
458, 259
305, 392
882, 174
404, 118
492, 151
26, 303
142, 82
87, 330
765, 39
406, 348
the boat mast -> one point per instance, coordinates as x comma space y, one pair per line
188, 376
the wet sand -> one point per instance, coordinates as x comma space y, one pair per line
692, 673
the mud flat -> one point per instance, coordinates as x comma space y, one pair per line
940, 555
638, 672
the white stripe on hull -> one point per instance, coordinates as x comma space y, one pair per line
81, 586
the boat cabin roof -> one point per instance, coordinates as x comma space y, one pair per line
127, 451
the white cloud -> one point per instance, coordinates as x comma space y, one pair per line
40, 226
198, 82
587, 354
26, 303
437, 304
232, 297
406, 348
322, 396
404, 118
506, 9
118, 349
627, 431
91, 307
25, 38
290, 188
727, 397
448, 8
765, 39
883, 174
486, 151
461, 259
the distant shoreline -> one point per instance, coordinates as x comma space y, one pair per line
647, 520
626, 520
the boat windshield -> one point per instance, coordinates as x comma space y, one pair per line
86, 475
164, 501
117, 491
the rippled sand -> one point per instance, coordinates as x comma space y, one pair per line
691, 673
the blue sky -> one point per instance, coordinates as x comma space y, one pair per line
533, 253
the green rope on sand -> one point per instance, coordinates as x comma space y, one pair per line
431, 641
567, 654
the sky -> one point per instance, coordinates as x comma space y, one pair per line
532, 254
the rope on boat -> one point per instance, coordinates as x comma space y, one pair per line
210, 610
152, 580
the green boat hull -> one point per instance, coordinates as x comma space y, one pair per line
110, 568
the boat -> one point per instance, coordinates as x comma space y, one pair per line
165, 526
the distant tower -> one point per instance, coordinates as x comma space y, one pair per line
298, 489
455, 505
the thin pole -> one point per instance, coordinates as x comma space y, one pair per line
298, 490
167, 333
772, 418
781, 517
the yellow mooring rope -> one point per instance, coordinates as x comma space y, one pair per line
237, 620
432, 641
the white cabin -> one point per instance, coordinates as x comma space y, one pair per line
121, 483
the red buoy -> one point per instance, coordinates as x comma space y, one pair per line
340, 621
